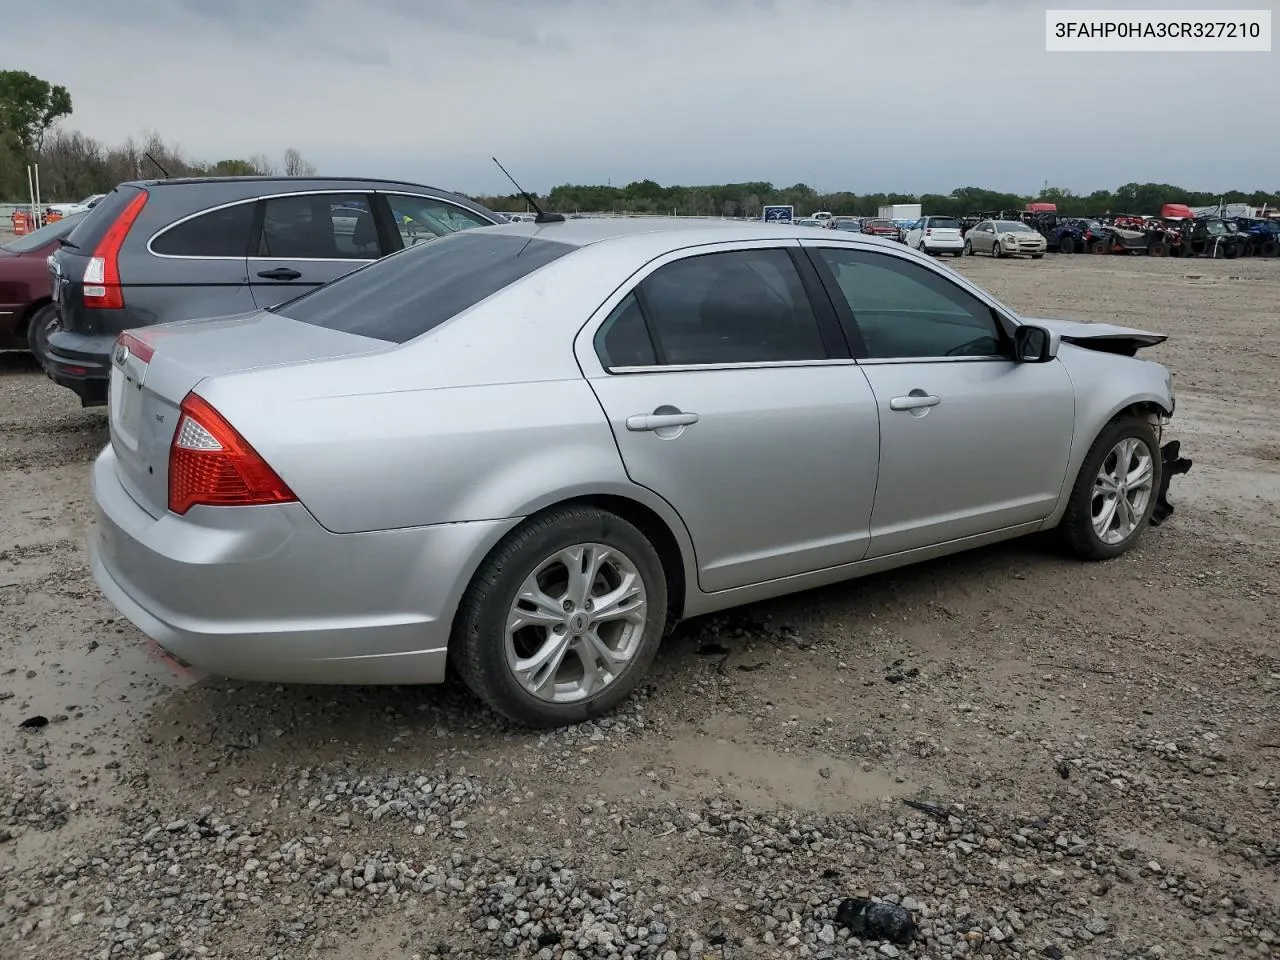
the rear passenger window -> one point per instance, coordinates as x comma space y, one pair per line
744, 306
218, 233
322, 226
623, 339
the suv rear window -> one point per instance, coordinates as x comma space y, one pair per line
408, 293
98, 220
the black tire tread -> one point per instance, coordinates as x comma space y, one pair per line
1076, 528
467, 649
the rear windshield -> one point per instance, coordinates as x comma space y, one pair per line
96, 222
38, 238
408, 293
944, 223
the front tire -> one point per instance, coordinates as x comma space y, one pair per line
1114, 492
1066, 244
43, 322
968, 249
563, 619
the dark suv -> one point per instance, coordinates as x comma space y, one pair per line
159, 250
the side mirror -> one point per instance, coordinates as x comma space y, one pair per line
1034, 344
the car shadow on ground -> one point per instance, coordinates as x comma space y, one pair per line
292, 724
18, 361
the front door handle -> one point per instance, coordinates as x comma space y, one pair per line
280, 273
660, 421
916, 400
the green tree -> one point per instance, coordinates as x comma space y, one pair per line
233, 168
29, 106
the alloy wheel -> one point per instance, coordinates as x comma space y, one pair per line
1122, 491
576, 623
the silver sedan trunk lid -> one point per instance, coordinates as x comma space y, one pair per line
154, 369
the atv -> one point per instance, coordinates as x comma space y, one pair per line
1209, 237
1151, 240
1064, 235
1261, 237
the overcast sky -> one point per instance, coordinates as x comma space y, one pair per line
861, 95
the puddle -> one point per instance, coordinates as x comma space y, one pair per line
760, 777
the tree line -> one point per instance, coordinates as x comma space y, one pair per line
748, 199
74, 166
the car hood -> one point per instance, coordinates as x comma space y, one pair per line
1106, 337
1022, 234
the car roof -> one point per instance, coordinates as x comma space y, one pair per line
678, 231
302, 182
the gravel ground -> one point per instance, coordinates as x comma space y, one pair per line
1033, 757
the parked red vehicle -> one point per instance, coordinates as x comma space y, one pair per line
882, 228
27, 311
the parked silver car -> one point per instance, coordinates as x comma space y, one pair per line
1005, 238
534, 448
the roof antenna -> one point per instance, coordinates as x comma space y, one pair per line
542, 217
157, 163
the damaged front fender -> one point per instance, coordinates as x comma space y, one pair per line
1172, 466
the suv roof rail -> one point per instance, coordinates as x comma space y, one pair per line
263, 178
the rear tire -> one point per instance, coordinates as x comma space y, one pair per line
485, 651
1099, 247
1158, 249
1269, 248
43, 322
1092, 494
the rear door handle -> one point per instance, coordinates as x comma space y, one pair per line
280, 273
914, 402
659, 421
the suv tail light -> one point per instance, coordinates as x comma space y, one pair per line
211, 464
102, 274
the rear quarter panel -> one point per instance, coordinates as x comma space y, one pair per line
159, 289
24, 282
486, 417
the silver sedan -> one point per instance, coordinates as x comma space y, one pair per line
534, 448
1005, 238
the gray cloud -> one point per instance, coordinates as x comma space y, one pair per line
914, 95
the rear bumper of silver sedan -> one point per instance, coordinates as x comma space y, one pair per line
267, 594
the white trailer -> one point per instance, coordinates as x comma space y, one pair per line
901, 211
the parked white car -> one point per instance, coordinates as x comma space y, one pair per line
67, 209
936, 235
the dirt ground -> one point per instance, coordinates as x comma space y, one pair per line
1094, 749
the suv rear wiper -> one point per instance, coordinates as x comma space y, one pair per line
64, 242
